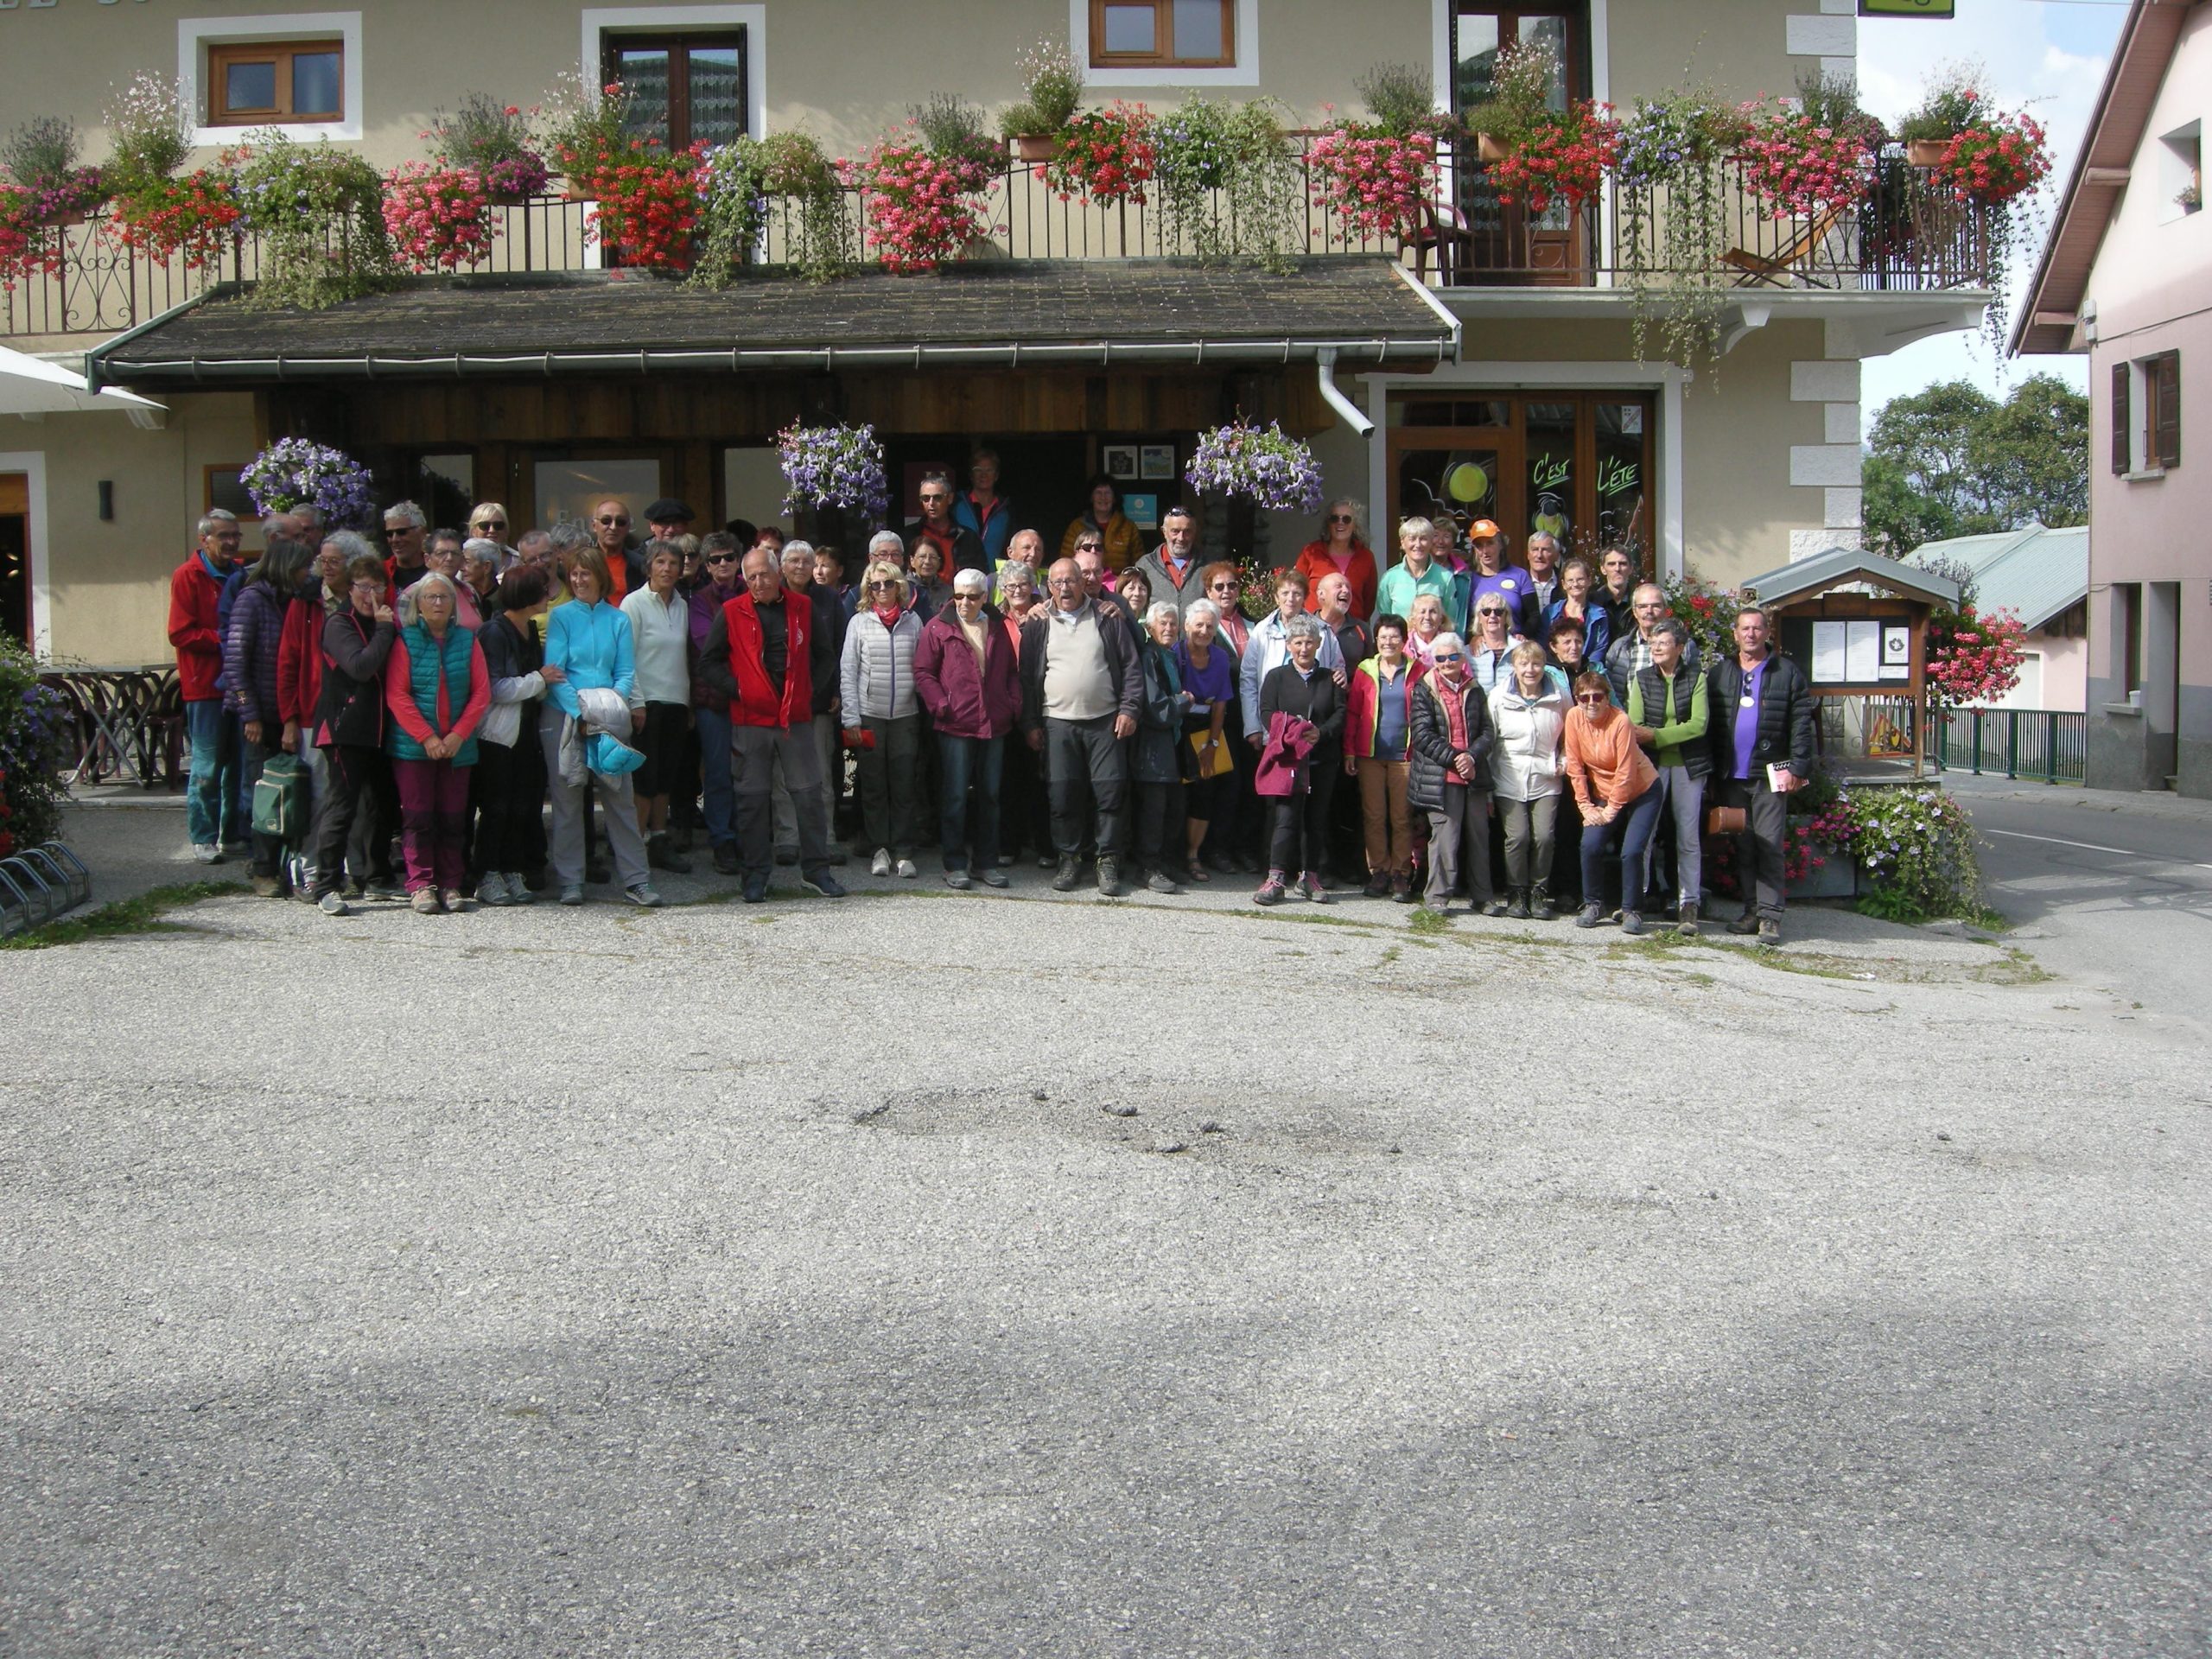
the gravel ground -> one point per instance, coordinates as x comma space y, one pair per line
937, 1274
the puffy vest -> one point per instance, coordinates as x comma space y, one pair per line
428, 662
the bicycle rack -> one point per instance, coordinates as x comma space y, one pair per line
39, 884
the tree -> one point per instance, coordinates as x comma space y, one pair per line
1951, 460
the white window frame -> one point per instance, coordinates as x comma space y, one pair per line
1245, 71
196, 34
1665, 379
599, 21
32, 464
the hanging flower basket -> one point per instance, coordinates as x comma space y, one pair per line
1274, 470
1994, 160
834, 467
1801, 169
295, 471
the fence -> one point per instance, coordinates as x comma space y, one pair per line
2041, 745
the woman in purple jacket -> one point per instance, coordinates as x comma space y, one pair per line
967, 677
249, 676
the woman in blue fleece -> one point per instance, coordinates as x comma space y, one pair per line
589, 641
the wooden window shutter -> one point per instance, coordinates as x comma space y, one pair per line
2120, 458
2165, 402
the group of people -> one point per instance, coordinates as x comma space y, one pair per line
1112, 707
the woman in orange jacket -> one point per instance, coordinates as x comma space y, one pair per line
1120, 544
1617, 790
1341, 549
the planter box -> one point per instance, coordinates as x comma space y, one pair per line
1836, 879
1489, 150
1926, 152
1036, 146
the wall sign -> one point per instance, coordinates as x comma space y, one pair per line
1906, 8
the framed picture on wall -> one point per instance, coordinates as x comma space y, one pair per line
1157, 461
1120, 460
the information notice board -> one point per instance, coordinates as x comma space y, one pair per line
1838, 652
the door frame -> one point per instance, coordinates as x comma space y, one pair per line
32, 464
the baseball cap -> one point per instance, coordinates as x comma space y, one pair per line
1482, 529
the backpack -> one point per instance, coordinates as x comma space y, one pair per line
280, 800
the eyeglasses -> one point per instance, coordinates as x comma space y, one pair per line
615, 523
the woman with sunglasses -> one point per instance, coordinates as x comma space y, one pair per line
720, 553
1617, 792
1115, 537
1232, 834
881, 710
489, 520
1341, 549
1448, 776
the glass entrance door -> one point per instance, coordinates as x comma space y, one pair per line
1508, 244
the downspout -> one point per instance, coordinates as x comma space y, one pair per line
1325, 366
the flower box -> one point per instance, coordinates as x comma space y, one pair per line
1835, 877
1926, 152
1033, 147
1491, 149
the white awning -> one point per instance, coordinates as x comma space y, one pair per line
32, 386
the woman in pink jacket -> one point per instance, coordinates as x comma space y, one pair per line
966, 676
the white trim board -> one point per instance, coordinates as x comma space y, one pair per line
599, 21
1664, 378
1245, 71
32, 462
196, 34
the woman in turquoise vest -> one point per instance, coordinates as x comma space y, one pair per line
435, 685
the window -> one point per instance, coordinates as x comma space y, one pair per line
1164, 33
258, 83
2147, 415
684, 89
2180, 172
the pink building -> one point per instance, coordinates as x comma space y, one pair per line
2124, 278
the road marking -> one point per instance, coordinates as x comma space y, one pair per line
2091, 847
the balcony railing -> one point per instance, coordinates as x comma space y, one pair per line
1905, 236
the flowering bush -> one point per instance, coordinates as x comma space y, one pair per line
1053, 84
1708, 612
1228, 186
1560, 155
1998, 158
1374, 181
921, 210
493, 141
27, 248
648, 205
586, 129
834, 467
148, 135
294, 471
1916, 844
320, 210
1104, 154
1273, 470
33, 749
1973, 659
1801, 167
440, 218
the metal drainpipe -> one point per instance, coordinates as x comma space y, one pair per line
1324, 366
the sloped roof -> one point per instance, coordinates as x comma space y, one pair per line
1005, 313
1840, 565
2035, 573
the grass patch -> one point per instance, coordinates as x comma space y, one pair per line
1425, 920
146, 913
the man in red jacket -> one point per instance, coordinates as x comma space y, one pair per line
763, 656
195, 596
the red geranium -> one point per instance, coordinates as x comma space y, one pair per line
1559, 157
922, 210
1104, 154
439, 219
1999, 157
1801, 169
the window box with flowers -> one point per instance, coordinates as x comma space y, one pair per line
494, 141
1051, 93
153, 210
1105, 156
1376, 178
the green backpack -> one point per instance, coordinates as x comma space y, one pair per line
280, 800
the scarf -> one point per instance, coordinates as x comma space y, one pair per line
1454, 706
886, 614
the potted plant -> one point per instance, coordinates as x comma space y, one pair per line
1800, 166
1538, 155
839, 466
40, 156
439, 217
35, 747
1376, 176
1227, 183
298, 472
1106, 156
922, 189
1672, 150
737, 183
1950, 105
1052, 92
492, 141
319, 211
153, 210
586, 131
1274, 470
648, 206
1520, 96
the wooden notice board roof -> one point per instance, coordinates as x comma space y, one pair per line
1841, 567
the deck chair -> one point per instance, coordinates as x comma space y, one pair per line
1794, 258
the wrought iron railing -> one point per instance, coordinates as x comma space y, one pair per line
2042, 745
1906, 234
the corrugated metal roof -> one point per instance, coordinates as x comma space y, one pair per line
2035, 573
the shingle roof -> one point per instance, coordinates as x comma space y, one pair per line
2035, 573
1004, 312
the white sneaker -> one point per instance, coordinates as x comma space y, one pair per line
208, 853
518, 890
907, 869
882, 865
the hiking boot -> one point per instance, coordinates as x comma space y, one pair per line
1769, 933
1109, 877
1590, 916
1310, 886
993, 878
958, 881
1632, 923
1490, 907
1518, 910
1747, 923
821, 881
454, 901
425, 901
1161, 881
1070, 870
1402, 889
756, 887
268, 886
1539, 903
572, 894
1378, 884
1686, 922
726, 860
1271, 891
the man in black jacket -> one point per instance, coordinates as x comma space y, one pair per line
962, 550
349, 724
1763, 742
1081, 687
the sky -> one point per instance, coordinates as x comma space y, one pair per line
2045, 56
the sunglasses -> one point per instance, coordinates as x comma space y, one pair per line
721, 558
491, 524
1489, 610
1447, 657
1340, 519
616, 524
929, 500
882, 584
1593, 698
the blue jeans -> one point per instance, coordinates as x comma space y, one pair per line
719, 795
963, 761
210, 801
1633, 824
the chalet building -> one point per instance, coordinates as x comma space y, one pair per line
1488, 367
2123, 279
